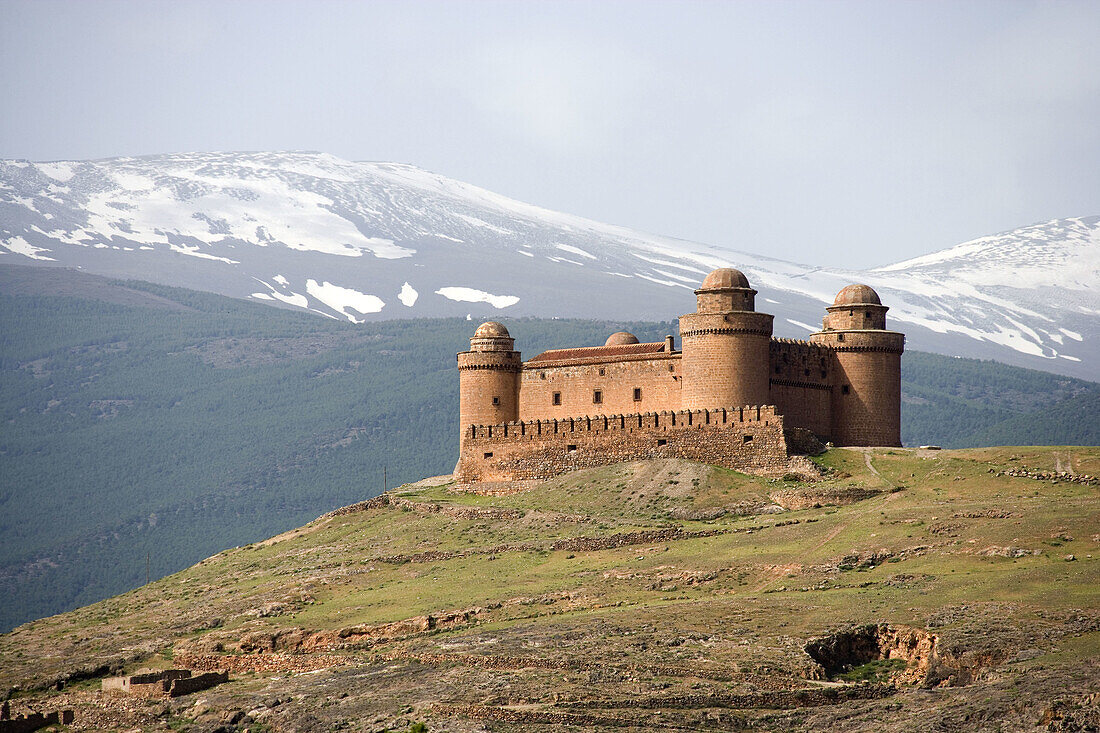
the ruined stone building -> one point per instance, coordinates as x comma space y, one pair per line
732, 395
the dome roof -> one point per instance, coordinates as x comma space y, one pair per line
725, 277
621, 338
491, 329
857, 295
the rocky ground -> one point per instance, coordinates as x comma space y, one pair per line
905, 590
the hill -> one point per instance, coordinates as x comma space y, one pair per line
905, 590
109, 391
367, 241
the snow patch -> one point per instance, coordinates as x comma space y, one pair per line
20, 246
60, 171
800, 324
408, 295
472, 295
1072, 334
343, 299
575, 250
281, 280
483, 224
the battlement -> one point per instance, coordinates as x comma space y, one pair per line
797, 343
666, 419
746, 438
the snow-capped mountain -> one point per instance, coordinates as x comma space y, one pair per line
383, 240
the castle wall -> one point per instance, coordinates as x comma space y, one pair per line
747, 439
800, 384
658, 378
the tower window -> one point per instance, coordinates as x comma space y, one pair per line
488, 455
845, 389
597, 397
602, 372
840, 337
571, 448
637, 394
746, 439
557, 398
496, 400
661, 442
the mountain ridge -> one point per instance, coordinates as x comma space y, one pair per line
369, 240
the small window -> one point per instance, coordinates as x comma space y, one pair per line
496, 400
542, 375
602, 372
844, 389
557, 398
805, 372
777, 369
670, 368
571, 448
597, 397
868, 314
746, 439
488, 455
840, 337
661, 441
637, 394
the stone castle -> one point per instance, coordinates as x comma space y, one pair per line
732, 396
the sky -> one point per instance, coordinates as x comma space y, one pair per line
828, 133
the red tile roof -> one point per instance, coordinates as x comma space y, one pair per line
599, 352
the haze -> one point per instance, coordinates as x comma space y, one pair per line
850, 133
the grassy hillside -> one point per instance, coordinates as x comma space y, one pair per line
147, 422
655, 595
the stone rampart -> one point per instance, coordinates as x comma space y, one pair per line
27, 722
747, 439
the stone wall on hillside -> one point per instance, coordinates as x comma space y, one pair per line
747, 439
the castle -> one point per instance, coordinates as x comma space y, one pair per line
733, 395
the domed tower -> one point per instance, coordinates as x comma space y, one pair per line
866, 388
488, 378
725, 345
621, 338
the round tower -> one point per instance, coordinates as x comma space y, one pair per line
866, 385
488, 376
725, 345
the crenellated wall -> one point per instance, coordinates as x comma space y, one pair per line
747, 439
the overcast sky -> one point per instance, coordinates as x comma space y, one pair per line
853, 133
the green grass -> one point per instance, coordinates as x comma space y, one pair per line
877, 671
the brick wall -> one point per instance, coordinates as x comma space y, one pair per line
725, 358
488, 387
866, 395
747, 439
658, 378
800, 377
856, 317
